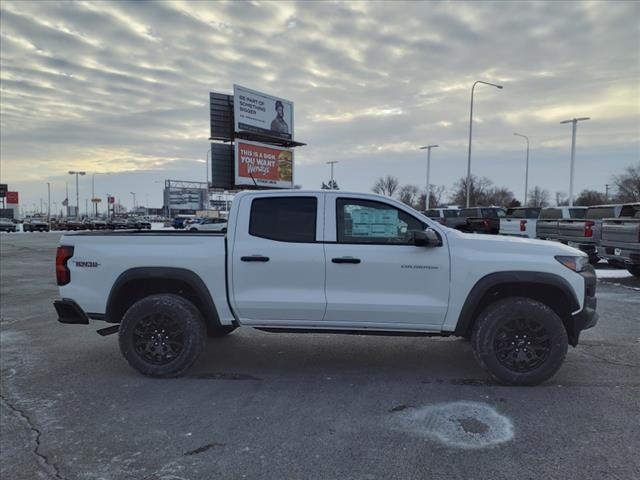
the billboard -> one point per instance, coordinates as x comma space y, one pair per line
258, 164
185, 198
262, 114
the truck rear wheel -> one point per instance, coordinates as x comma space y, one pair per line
519, 341
162, 335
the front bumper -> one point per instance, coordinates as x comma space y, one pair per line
70, 312
587, 317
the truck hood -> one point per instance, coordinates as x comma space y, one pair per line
506, 244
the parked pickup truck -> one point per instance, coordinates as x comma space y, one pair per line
620, 242
547, 224
482, 219
520, 222
449, 217
586, 233
329, 262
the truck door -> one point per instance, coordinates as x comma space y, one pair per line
376, 276
277, 259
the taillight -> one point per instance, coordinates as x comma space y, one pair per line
523, 225
443, 221
588, 228
487, 227
63, 274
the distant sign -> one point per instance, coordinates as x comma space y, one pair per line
3, 189
263, 165
262, 114
12, 197
96, 200
111, 199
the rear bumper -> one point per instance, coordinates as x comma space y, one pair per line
70, 312
626, 255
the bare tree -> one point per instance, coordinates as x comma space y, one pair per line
561, 199
330, 185
409, 195
628, 184
386, 185
538, 197
499, 196
590, 197
478, 190
436, 192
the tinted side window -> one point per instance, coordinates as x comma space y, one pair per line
365, 221
632, 211
599, 213
469, 212
577, 212
286, 219
450, 213
551, 213
432, 213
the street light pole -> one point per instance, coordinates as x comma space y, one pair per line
526, 172
574, 121
48, 201
470, 132
428, 149
134, 199
77, 194
332, 163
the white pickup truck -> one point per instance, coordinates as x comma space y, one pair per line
520, 222
330, 262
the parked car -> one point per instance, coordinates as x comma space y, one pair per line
138, 223
35, 224
7, 225
547, 224
209, 225
585, 233
620, 240
520, 222
98, 224
117, 224
482, 219
329, 262
449, 217
74, 224
179, 221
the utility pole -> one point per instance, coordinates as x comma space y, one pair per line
606, 189
428, 149
67, 199
332, 163
573, 121
134, 199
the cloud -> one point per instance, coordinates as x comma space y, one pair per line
123, 86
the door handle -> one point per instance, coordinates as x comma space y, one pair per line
255, 258
345, 260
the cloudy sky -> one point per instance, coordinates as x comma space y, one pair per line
122, 88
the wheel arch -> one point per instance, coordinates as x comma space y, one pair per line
137, 283
550, 289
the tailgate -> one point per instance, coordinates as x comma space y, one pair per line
510, 226
572, 230
621, 230
546, 228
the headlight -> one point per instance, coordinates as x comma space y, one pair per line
576, 264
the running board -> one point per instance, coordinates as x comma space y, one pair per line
108, 330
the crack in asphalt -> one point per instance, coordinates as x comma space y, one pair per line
44, 459
606, 360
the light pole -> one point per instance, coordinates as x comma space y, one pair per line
206, 165
526, 171
48, 201
77, 194
574, 121
428, 149
470, 131
134, 199
332, 183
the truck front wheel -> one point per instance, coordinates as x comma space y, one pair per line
519, 341
162, 335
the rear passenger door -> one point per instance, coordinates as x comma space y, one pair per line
278, 265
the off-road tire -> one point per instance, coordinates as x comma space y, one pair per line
177, 311
222, 331
489, 338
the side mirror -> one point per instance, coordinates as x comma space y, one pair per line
426, 238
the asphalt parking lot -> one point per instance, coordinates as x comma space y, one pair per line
266, 406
